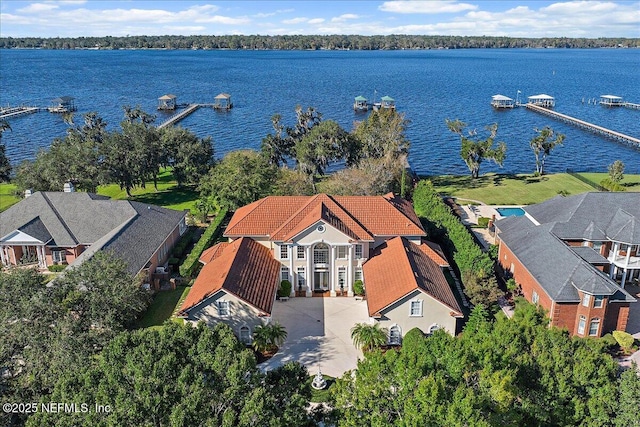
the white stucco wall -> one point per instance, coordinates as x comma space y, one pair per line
433, 313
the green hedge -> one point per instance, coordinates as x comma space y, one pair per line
443, 226
56, 268
211, 233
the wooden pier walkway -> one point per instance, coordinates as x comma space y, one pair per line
181, 115
617, 136
8, 112
631, 105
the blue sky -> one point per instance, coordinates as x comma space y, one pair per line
73, 18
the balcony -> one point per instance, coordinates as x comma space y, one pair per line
619, 259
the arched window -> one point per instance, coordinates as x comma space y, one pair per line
395, 335
245, 335
321, 254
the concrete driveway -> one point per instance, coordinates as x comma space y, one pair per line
319, 333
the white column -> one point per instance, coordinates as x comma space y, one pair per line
350, 277
309, 271
42, 257
293, 275
332, 272
3, 255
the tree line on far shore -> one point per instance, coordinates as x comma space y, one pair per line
312, 42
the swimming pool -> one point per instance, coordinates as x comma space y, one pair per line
510, 211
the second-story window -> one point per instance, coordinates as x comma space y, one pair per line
586, 300
598, 301
284, 251
300, 251
358, 251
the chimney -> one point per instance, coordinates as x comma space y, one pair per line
68, 187
28, 192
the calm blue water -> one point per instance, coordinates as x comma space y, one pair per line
510, 211
429, 86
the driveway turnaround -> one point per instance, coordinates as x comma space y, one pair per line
319, 333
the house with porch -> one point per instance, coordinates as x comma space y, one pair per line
322, 245
574, 256
66, 228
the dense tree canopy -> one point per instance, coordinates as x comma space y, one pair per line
513, 372
240, 178
184, 376
5, 165
50, 330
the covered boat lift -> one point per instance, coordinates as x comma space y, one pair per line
611, 101
501, 101
542, 100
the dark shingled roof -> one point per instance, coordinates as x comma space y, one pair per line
592, 216
555, 266
133, 230
588, 254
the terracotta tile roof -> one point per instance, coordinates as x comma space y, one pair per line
361, 217
321, 207
434, 251
245, 269
399, 267
213, 252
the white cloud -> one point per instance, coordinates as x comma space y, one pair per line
315, 21
294, 21
37, 8
430, 7
344, 17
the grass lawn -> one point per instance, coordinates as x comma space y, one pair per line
318, 396
169, 195
495, 189
164, 304
630, 182
7, 197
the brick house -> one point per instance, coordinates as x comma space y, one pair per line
573, 256
322, 244
66, 228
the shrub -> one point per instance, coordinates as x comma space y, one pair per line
56, 268
173, 261
483, 221
358, 287
191, 262
624, 339
285, 289
512, 285
609, 341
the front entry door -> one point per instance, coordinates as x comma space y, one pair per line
320, 280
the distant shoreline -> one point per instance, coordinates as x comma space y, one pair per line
312, 42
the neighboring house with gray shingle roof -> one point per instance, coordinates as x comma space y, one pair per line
48, 228
573, 255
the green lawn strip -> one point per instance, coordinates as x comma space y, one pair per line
163, 306
495, 189
7, 196
630, 182
168, 195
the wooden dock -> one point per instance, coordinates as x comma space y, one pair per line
181, 115
8, 112
631, 105
617, 136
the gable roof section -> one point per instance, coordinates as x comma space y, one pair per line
362, 217
321, 208
399, 267
213, 252
36, 228
434, 251
245, 269
559, 270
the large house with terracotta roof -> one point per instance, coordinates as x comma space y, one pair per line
574, 256
66, 228
323, 244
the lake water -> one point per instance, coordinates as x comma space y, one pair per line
428, 86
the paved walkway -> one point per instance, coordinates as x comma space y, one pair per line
319, 333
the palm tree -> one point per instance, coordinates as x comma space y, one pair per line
367, 337
268, 337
